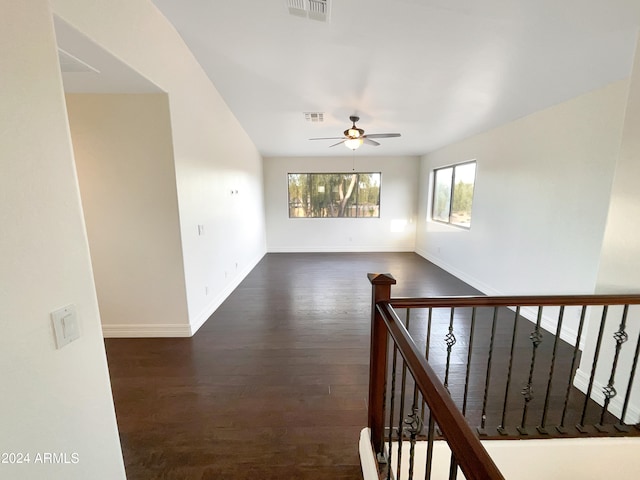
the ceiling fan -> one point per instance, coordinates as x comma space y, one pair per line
354, 136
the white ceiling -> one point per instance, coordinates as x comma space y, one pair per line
436, 71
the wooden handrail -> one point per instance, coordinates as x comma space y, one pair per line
473, 459
516, 300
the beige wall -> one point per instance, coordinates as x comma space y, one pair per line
555, 211
540, 201
619, 270
535, 459
394, 231
620, 260
124, 158
56, 401
212, 153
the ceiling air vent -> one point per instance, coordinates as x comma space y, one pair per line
297, 7
314, 117
318, 9
314, 9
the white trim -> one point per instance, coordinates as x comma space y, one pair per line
474, 282
548, 323
581, 382
594, 457
342, 249
200, 320
178, 330
146, 330
367, 459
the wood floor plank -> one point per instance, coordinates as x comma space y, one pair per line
274, 385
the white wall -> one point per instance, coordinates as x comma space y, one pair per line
540, 201
124, 157
550, 459
619, 270
393, 231
51, 401
213, 154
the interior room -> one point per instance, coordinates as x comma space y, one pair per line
147, 155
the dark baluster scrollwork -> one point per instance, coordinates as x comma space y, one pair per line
596, 356
621, 425
536, 337
527, 391
609, 391
450, 340
412, 426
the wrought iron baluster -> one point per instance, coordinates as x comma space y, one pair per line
429, 322
621, 426
413, 425
502, 429
609, 391
401, 416
392, 407
426, 353
561, 428
450, 340
483, 420
430, 439
469, 352
453, 467
403, 385
542, 428
596, 355
527, 391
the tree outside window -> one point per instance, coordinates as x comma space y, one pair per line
334, 195
453, 194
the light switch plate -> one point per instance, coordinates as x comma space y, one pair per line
65, 325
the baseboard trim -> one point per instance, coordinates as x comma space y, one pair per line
144, 330
581, 382
547, 322
474, 282
200, 320
343, 249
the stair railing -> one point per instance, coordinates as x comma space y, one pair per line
519, 379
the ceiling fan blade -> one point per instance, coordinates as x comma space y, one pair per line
382, 135
368, 141
338, 143
328, 138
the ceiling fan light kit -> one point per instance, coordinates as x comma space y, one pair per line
353, 143
354, 136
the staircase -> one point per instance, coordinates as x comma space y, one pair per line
450, 378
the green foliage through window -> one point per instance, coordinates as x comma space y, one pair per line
334, 195
453, 194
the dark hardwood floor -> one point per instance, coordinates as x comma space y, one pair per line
274, 385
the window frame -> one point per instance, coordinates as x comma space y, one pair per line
357, 187
453, 167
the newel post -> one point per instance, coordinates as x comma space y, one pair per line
381, 291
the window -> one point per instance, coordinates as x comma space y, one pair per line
332, 195
453, 194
